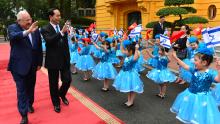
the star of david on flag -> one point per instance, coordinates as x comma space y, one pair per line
211, 36
165, 41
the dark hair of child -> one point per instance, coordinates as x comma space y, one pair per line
73, 39
204, 57
131, 47
107, 44
163, 50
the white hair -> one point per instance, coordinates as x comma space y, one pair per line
21, 14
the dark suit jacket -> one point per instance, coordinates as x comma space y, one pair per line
57, 49
24, 56
158, 30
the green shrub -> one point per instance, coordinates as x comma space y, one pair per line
81, 21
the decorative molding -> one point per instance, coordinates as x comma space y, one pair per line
143, 5
109, 8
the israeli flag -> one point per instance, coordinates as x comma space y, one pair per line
115, 31
121, 32
136, 31
211, 36
95, 37
165, 41
206, 39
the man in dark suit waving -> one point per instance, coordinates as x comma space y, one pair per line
57, 58
25, 59
159, 27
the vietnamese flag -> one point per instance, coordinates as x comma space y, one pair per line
147, 34
91, 27
125, 36
79, 49
197, 31
176, 35
110, 33
132, 26
88, 40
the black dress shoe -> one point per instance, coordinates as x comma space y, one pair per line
24, 120
129, 106
105, 89
57, 109
65, 101
31, 109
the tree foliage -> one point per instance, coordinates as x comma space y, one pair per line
177, 2
38, 9
151, 24
174, 7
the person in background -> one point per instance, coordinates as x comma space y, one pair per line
159, 27
5, 32
180, 46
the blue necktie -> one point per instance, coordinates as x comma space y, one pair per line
57, 29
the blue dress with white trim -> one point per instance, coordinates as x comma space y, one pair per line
96, 52
104, 69
139, 64
113, 58
153, 61
43, 45
196, 105
216, 93
118, 51
85, 61
74, 55
128, 79
161, 74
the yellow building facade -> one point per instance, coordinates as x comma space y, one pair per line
121, 13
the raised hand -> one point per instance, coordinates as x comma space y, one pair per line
137, 46
33, 27
217, 64
174, 54
65, 28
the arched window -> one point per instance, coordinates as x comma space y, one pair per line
134, 17
212, 12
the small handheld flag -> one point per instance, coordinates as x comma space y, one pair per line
176, 35
136, 31
134, 25
165, 41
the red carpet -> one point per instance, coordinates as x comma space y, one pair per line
80, 111
4, 55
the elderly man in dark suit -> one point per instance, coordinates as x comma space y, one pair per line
25, 59
159, 27
57, 58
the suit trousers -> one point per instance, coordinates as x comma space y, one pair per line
55, 91
25, 85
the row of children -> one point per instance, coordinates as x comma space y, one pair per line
194, 105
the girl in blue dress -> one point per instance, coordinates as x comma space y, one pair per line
153, 61
119, 53
139, 65
74, 55
104, 70
196, 105
113, 58
161, 74
216, 92
85, 61
191, 51
128, 79
97, 52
